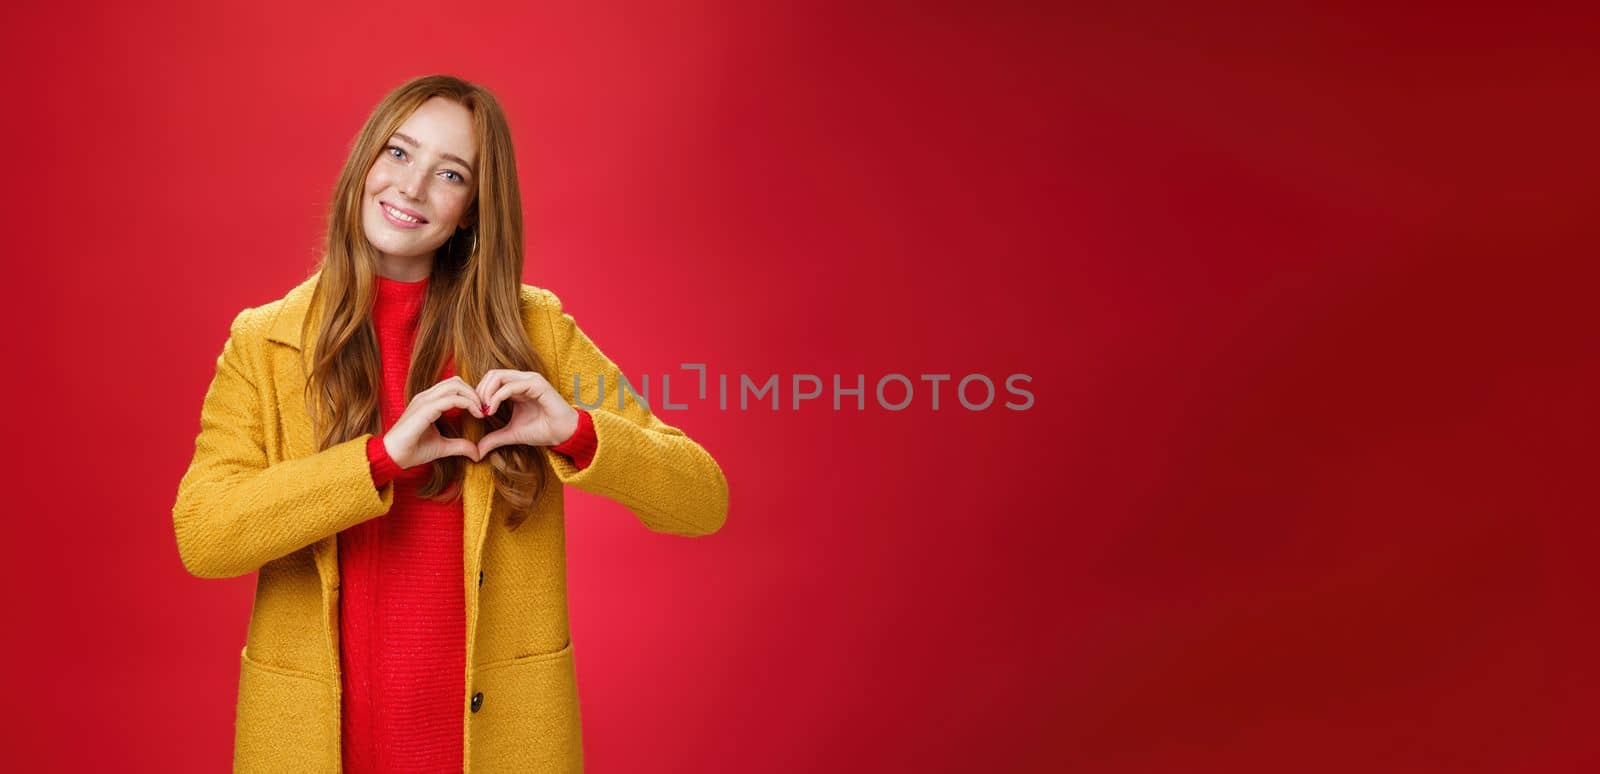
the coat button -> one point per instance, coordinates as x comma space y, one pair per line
477, 701
480, 577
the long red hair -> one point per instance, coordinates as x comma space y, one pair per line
472, 310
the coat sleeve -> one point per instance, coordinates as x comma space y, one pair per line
659, 474
235, 512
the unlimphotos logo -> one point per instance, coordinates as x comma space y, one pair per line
891, 392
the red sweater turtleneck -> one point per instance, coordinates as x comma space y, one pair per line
402, 613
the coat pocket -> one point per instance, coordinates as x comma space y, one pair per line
527, 715
286, 720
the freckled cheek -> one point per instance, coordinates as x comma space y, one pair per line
450, 209
376, 181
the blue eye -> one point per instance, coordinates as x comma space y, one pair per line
399, 153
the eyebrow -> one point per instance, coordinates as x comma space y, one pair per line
445, 156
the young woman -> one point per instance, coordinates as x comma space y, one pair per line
387, 445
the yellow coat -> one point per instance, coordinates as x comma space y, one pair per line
258, 497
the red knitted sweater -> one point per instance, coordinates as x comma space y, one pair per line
402, 610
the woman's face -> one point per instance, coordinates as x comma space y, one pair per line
422, 183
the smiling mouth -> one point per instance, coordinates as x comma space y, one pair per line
400, 216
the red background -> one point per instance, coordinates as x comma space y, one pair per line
1305, 295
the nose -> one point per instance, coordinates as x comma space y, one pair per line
411, 183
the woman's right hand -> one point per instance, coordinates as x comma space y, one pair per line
414, 440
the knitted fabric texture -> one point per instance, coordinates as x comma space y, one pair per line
402, 613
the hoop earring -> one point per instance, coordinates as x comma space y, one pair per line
452, 241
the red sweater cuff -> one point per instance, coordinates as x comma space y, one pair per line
583, 443
384, 469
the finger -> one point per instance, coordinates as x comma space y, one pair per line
464, 391
495, 440
462, 447
455, 385
525, 387
460, 386
495, 398
465, 401
490, 382
550, 398
445, 385
443, 403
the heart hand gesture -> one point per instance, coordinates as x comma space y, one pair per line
539, 417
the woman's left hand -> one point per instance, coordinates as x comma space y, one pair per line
539, 415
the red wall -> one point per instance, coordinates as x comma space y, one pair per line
1305, 295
